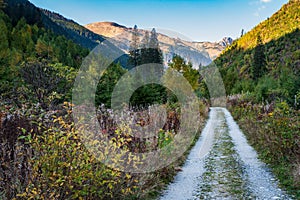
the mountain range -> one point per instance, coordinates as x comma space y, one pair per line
92, 34
195, 52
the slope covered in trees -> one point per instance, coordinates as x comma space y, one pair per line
81, 35
261, 73
265, 61
284, 21
17, 9
43, 40
26, 46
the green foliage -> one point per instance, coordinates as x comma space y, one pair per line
268, 71
134, 52
25, 44
186, 69
265, 61
42, 156
283, 22
4, 43
146, 53
154, 53
72, 30
259, 60
107, 84
273, 130
165, 138
266, 89
148, 95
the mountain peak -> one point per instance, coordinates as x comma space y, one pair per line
107, 29
106, 23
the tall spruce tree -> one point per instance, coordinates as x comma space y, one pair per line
145, 58
155, 52
259, 60
134, 51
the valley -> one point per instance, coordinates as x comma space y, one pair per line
108, 111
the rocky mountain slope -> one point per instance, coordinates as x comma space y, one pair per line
196, 52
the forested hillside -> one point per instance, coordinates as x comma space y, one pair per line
265, 61
16, 9
26, 40
80, 33
261, 73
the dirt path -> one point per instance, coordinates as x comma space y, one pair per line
222, 165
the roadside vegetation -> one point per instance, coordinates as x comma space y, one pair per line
261, 73
273, 130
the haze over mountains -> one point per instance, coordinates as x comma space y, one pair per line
195, 52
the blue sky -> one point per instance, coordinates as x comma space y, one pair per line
206, 20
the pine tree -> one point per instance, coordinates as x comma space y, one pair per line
259, 60
145, 58
134, 51
41, 48
242, 33
155, 52
145, 41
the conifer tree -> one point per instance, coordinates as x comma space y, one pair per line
242, 33
134, 51
155, 52
145, 58
259, 60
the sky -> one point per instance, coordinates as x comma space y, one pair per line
197, 20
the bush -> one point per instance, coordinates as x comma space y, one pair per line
273, 130
53, 163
